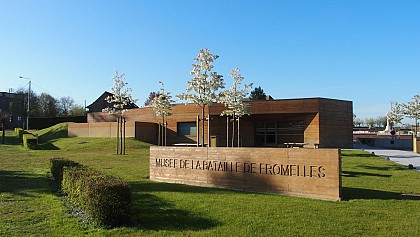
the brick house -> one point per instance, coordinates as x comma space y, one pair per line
99, 104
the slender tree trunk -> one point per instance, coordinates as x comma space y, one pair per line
166, 130
118, 132
159, 134
198, 129
208, 129
163, 131
238, 134
121, 137
124, 136
4, 132
227, 130
233, 130
202, 125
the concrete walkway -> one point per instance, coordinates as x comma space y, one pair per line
401, 157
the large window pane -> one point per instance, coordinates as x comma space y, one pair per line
187, 129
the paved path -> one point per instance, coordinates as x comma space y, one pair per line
398, 156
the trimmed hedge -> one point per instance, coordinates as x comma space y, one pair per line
19, 132
73, 181
30, 141
57, 166
106, 199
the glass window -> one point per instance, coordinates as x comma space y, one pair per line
187, 129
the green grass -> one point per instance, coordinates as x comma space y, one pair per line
52, 133
372, 188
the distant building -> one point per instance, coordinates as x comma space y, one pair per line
312, 122
101, 103
6, 101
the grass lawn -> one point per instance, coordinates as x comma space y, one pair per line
372, 187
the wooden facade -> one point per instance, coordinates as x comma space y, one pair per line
314, 122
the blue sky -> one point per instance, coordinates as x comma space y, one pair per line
364, 51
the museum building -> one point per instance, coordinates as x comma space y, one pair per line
309, 122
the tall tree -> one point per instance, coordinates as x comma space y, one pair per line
232, 98
152, 95
77, 110
19, 105
49, 105
258, 94
66, 103
121, 97
204, 84
161, 104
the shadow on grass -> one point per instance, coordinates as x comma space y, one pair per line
361, 193
53, 134
154, 213
169, 187
354, 174
21, 183
11, 139
363, 155
47, 146
383, 168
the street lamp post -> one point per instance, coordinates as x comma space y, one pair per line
29, 97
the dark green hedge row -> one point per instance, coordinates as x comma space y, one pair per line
57, 166
106, 199
41, 123
30, 141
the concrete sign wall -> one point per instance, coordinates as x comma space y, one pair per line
291, 171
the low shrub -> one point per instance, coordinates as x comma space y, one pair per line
73, 180
106, 199
30, 141
56, 167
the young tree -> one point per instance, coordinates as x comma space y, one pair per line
161, 104
204, 84
396, 114
121, 97
412, 110
257, 94
233, 100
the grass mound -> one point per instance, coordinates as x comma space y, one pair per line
52, 133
